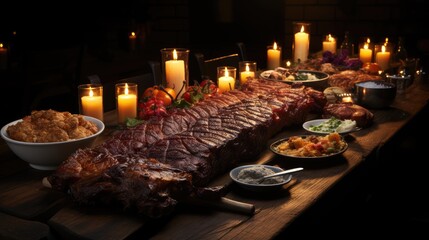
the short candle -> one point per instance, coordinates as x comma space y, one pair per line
127, 105
92, 105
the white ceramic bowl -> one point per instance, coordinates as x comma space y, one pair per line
47, 156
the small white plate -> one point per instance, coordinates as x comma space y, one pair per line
316, 122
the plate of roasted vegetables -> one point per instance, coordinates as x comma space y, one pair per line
313, 146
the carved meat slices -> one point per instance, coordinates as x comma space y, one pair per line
361, 115
181, 153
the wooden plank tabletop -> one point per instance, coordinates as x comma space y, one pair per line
22, 195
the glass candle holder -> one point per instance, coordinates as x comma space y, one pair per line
90, 98
274, 56
365, 51
126, 101
247, 70
301, 43
226, 76
330, 44
382, 56
175, 68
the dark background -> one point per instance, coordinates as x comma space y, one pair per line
98, 37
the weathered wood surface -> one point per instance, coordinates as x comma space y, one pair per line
24, 199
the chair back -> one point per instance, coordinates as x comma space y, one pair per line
208, 68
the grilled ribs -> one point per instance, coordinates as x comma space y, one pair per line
151, 166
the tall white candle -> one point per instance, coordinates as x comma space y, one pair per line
302, 46
330, 44
92, 105
127, 106
382, 58
175, 73
273, 57
226, 82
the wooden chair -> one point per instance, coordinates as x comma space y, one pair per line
208, 68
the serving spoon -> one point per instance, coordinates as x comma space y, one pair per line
279, 174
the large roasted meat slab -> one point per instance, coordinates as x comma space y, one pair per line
153, 165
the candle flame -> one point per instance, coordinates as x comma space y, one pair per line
302, 28
330, 38
275, 46
365, 46
174, 54
91, 93
133, 34
386, 41
226, 72
383, 48
288, 64
368, 41
126, 89
247, 68
1, 45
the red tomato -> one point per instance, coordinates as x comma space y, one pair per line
152, 107
208, 88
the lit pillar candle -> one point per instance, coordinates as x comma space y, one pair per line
330, 44
301, 46
382, 58
133, 39
226, 82
127, 105
175, 73
365, 54
3, 57
92, 105
246, 74
273, 57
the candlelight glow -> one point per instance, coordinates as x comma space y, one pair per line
288, 64
126, 89
1, 45
247, 68
275, 46
174, 54
383, 48
133, 34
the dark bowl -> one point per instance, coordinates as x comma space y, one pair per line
375, 93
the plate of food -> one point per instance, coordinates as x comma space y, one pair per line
330, 125
288, 75
310, 147
247, 177
310, 78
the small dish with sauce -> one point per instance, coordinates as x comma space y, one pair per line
245, 175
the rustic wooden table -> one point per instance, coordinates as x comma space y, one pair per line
28, 210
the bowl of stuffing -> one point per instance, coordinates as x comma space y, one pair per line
46, 138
